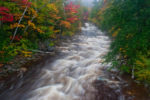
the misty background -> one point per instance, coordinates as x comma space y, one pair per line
88, 3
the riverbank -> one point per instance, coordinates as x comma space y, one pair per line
74, 72
125, 89
21, 65
18, 70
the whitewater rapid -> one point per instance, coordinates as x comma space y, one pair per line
69, 77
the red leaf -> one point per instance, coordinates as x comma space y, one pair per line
26, 2
6, 17
4, 9
17, 37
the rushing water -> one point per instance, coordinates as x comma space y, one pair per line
71, 75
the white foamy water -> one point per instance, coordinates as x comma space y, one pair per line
70, 77
76, 72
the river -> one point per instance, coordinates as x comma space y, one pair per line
77, 73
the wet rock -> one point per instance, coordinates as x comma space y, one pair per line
29, 58
104, 91
100, 79
23, 69
50, 48
114, 70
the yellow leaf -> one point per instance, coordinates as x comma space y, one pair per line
53, 7
56, 31
31, 24
39, 30
51, 28
12, 26
116, 33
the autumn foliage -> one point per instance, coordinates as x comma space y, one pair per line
25, 24
72, 10
128, 24
6, 16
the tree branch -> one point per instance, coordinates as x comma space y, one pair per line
19, 23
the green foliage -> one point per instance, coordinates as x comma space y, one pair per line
128, 24
41, 21
143, 69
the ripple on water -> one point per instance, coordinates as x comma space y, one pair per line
74, 75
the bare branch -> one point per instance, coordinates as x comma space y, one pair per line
19, 23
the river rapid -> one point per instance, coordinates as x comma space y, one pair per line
77, 73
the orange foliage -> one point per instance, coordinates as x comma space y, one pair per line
12, 26
31, 24
65, 24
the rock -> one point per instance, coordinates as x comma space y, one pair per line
23, 69
100, 79
103, 89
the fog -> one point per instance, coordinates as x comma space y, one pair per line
88, 3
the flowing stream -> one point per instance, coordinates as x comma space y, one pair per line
76, 74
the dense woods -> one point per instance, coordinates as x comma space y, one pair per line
26, 24
30, 25
127, 22
74, 49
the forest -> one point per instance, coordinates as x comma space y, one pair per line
27, 26
86, 37
127, 22
25, 23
